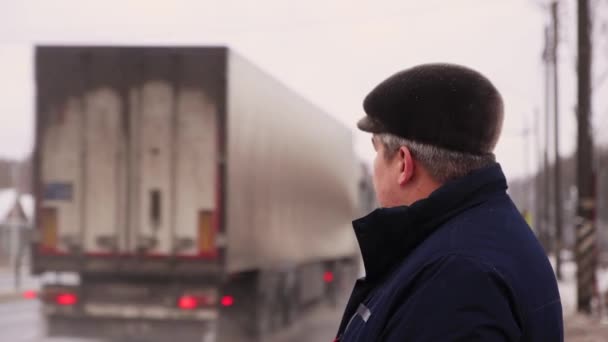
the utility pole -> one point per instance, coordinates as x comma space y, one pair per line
538, 186
526, 137
585, 229
557, 179
546, 179
15, 226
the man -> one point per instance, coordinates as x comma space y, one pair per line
448, 257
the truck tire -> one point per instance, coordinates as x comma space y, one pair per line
288, 298
267, 304
290, 307
262, 317
257, 313
51, 328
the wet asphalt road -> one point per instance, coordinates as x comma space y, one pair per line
20, 321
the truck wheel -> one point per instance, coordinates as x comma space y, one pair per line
53, 326
276, 315
267, 308
264, 322
290, 307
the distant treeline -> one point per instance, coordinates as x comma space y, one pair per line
22, 176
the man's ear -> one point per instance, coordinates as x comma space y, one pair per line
406, 165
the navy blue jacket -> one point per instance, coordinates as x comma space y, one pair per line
460, 265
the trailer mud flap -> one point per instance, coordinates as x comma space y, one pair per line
206, 234
48, 222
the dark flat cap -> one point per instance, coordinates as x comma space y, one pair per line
444, 105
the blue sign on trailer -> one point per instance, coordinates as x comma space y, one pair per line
58, 191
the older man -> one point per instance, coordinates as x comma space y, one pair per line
448, 257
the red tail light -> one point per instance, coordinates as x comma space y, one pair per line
328, 277
227, 301
30, 294
188, 302
194, 301
66, 299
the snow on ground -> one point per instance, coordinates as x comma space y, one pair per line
578, 327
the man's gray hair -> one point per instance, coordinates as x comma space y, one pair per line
442, 164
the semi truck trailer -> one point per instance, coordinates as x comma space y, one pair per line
188, 193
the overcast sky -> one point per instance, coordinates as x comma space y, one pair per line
332, 52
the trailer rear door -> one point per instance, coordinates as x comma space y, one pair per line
127, 151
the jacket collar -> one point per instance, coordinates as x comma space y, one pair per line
387, 235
